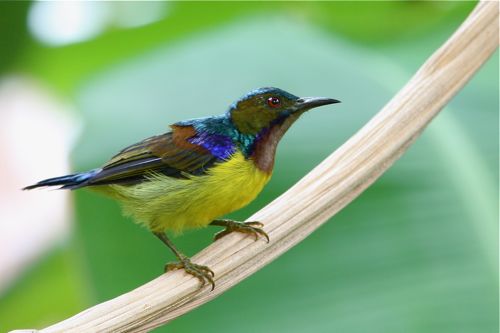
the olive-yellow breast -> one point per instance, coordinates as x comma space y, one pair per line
166, 203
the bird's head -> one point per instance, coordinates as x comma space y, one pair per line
264, 108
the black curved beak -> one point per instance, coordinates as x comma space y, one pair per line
306, 103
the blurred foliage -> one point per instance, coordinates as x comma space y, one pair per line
415, 253
389, 24
187, 18
53, 289
13, 32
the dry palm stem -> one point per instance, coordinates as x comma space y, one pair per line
314, 199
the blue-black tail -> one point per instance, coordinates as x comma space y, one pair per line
69, 182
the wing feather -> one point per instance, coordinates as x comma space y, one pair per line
170, 154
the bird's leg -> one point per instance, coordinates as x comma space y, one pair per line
253, 228
203, 273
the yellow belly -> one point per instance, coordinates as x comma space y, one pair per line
176, 204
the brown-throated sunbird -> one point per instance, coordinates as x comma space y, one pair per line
202, 169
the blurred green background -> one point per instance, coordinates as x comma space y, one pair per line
417, 252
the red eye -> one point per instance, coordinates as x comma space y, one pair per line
274, 102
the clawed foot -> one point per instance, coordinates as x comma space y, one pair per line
253, 228
202, 273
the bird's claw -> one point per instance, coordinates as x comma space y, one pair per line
253, 228
202, 273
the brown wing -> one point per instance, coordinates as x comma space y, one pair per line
169, 154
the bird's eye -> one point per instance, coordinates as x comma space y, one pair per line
274, 102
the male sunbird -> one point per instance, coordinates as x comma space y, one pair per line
202, 169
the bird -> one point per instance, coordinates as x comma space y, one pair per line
198, 171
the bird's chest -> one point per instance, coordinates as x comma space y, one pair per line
230, 186
175, 204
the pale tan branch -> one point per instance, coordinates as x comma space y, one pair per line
314, 199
